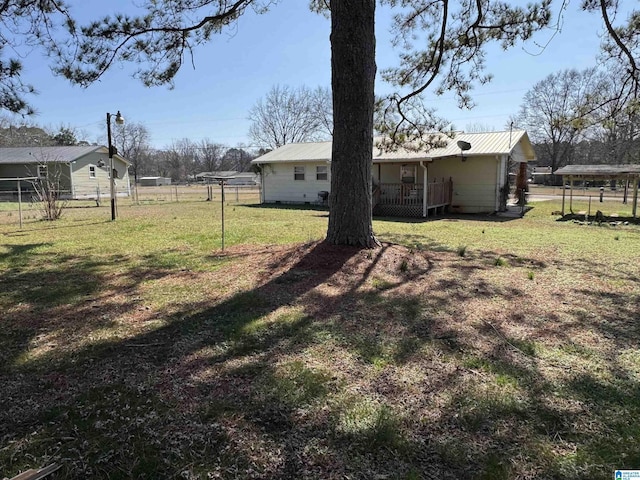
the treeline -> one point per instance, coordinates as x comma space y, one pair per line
33, 135
583, 117
593, 152
181, 160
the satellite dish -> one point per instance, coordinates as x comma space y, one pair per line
464, 145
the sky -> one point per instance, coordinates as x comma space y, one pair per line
289, 45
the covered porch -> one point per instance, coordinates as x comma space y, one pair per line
409, 199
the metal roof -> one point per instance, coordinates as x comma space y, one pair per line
599, 170
226, 173
22, 155
482, 144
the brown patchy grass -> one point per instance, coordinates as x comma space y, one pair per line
311, 361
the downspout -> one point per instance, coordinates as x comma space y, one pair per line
425, 183
262, 181
504, 167
498, 178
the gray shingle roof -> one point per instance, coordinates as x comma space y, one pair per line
22, 155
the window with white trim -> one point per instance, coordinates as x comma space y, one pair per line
322, 172
298, 173
42, 171
92, 171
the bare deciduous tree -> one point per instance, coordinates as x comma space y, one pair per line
558, 111
48, 189
132, 141
210, 155
288, 115
237, 159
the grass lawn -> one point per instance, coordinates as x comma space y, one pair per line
464, 347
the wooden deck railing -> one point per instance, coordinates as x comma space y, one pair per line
400, 194
438, 193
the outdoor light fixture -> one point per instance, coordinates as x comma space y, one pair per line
112, 151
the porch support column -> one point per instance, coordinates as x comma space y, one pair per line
570, 193
634, 208
563, 195
425, 184
262, 181
498, 177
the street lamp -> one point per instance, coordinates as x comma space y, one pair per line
112, 151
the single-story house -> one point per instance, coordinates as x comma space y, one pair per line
80, 172
468, 174
235, 178
154, 181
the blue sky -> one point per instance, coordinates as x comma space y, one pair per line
288, 46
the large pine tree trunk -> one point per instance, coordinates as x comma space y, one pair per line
353, 71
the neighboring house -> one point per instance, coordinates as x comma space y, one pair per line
81, 172
235, 178
465, 181
154, 181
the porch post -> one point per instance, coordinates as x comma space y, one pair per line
425, 185
563, 195
570, 193
20, 203
635, 197
498, 176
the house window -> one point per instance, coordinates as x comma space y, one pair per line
298, 173
408, 173
321, 173
42, 171
92, 172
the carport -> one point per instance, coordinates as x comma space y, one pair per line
629, 174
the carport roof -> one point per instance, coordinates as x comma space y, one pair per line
610, 171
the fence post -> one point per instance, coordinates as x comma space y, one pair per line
20, 203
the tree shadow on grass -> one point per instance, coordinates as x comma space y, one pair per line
448, 217
53, 226
330, 367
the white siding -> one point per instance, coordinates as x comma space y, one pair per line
474, 182
279, 185
518, 154
85, 186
